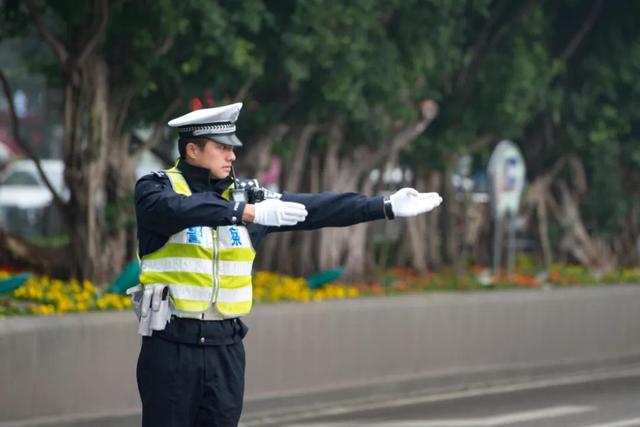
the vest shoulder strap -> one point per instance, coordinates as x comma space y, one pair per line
178, 183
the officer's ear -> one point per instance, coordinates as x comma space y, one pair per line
191, 151
193, 148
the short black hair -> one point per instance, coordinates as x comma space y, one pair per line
182, 145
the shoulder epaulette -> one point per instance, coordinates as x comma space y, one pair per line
159, 174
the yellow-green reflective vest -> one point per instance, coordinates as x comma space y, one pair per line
203, 265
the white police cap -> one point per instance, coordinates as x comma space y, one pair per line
218, 124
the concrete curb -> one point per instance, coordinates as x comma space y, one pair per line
82, 367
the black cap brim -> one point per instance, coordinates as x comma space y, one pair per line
226, 139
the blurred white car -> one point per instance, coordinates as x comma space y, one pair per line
21, 186
26, 202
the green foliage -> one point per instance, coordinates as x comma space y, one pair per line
495, 68
332, 48
184, 49
598, 102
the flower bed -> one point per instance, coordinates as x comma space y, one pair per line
274, 287
43, 295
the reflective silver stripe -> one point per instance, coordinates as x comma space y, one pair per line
235, 295
210, 314
193, 293
235, 268
187, 298
190, 265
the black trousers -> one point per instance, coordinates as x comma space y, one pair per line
190, 385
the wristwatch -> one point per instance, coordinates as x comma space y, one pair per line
388, 209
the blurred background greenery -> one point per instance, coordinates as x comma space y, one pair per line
364, 95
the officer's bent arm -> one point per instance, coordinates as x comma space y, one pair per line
163, 211
334, 209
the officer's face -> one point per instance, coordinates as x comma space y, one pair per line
214, 156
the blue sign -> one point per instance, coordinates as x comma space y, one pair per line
235, 237
194, 235
507, 173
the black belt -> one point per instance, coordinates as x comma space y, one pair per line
203, 332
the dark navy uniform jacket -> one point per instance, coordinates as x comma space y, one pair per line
161, 212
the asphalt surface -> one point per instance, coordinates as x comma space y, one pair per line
608, 398
602, 400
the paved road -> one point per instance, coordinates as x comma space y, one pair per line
603, 400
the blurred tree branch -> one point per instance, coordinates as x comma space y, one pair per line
58, 48
474, 53
579, 36
483, 45
15, 130
158, 130
101, 10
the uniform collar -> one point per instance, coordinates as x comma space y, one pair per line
199, 179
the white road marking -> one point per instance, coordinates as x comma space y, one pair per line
280, 418
500, 420
622, 423
518, 417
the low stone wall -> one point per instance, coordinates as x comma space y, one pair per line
77, 366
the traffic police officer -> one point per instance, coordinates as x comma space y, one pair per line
197, 230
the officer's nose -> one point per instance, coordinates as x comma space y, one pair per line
232, 155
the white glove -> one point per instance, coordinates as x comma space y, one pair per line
408, 202
275, 212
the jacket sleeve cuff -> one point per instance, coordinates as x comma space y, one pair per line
374, 209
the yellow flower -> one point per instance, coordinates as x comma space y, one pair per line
43, 309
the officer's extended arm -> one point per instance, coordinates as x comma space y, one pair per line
334, 209
165, 212
344, 209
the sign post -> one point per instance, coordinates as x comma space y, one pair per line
506, 172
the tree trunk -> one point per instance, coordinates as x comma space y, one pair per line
119, 209
98, 165
433, 221
86, 135
257, 159
450, 216
307, 239
417, 236
342, 173
356, 245
273, 247
99, 175
293, 184
339, 175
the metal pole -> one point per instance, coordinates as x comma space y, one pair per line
497, 244
511, 245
